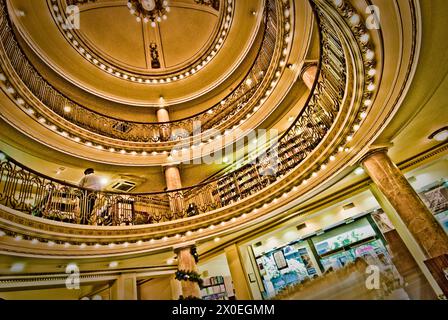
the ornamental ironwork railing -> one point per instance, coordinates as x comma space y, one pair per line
31, 192
234, 107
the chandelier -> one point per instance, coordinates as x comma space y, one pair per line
149, 10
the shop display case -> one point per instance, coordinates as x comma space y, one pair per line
435, 196
217, 288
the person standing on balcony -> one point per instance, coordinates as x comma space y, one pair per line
92, 183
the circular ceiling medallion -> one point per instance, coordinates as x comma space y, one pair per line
121, 42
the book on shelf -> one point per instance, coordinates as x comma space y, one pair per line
217, 288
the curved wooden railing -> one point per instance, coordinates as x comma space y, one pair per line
29, 191
235, 106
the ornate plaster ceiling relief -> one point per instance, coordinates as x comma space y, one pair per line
134, 49
43, 103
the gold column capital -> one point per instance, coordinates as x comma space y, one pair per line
375, 148
171, 165
185, 245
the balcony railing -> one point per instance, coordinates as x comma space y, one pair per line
28, 191
235, 107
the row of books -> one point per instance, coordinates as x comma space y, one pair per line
220, 288
211, 281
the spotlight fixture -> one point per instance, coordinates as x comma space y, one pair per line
439, 135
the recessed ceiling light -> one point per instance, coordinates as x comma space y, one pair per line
359, 171
113, 264
440, 135
17, 267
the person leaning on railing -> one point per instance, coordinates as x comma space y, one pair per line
91, 182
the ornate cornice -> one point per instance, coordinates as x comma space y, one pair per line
59, 279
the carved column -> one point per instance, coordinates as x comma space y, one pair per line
163, 117
187, 263
174, 182
411, 209
309, 74
172, 178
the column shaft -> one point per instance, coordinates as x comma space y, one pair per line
163, 116
124, 288
186, 262
174, 182
242, 289
309, 75
172, 178
413, 212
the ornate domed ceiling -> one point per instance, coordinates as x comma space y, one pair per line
192, 55
238, 86
113, 34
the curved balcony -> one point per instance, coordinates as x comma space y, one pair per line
30, 192
44, 103
316, 147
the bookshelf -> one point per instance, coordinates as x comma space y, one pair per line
240, 184
217, 288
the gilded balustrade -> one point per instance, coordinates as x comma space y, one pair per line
31, 192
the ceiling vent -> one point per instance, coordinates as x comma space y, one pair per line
348, 206
258, 244
124, 186
301, 226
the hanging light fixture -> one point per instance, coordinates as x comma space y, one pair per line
149, 10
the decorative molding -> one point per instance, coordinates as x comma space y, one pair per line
59, 279
424, 156
220, 34
154, 52
210, 3
78, 2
